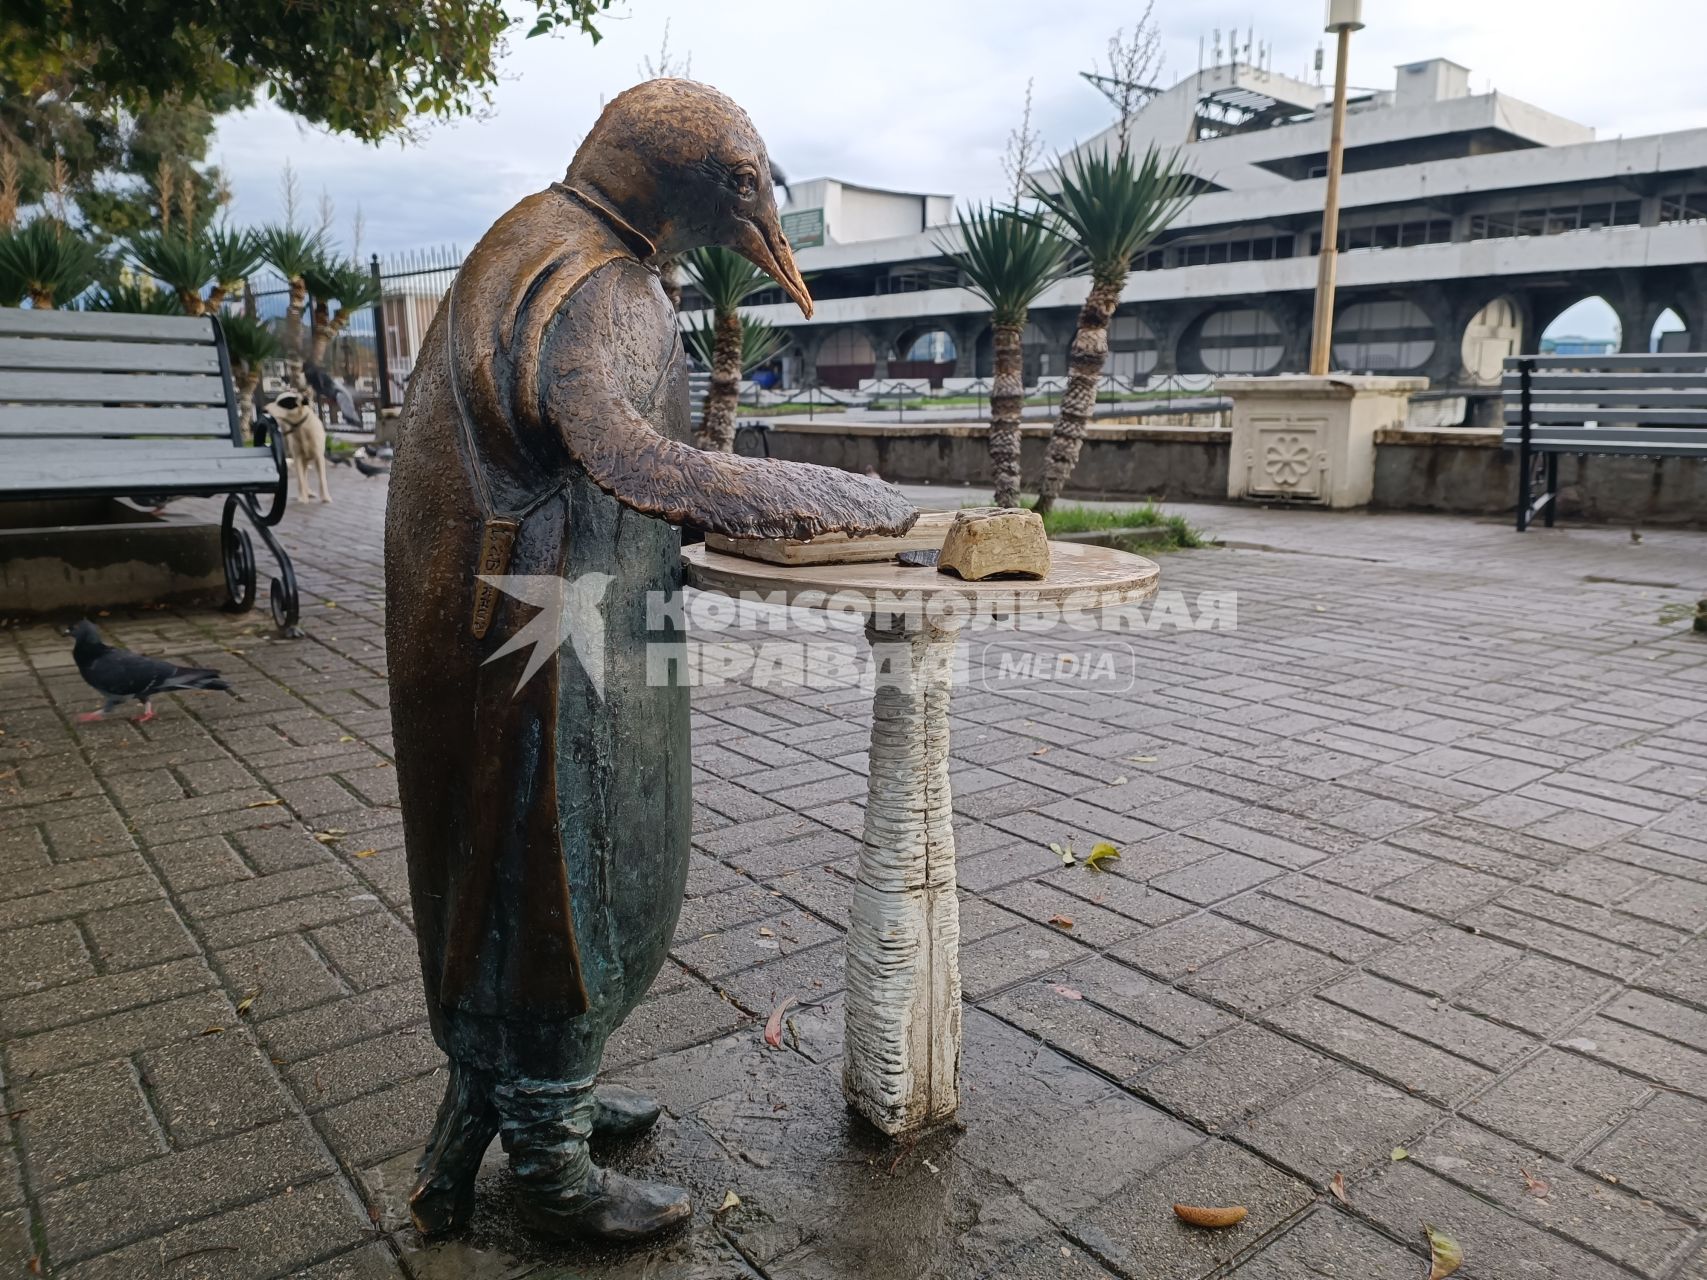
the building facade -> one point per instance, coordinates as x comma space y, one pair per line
1468, 223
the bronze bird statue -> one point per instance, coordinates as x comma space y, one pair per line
546, 794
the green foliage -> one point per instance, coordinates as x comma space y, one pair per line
132, 297
1111, 206
760, 341
321, 279
183, 263
249, 342
291, 251
1097, 519
234, 254
46, 262
724, 277
369, 68
1008, 259
354, 288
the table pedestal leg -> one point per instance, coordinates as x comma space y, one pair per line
901, 1064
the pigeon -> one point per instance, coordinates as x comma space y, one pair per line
119, 674
369, 469
326, 387
384, 452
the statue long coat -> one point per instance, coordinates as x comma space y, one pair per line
548, 827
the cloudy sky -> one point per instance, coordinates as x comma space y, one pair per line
921, 95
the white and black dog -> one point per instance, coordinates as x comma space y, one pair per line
305, 437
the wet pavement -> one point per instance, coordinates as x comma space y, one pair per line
1413, 861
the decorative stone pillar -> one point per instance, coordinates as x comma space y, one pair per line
1298, 438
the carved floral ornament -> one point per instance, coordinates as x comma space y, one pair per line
1286, 459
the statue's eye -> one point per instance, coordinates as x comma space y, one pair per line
746, 184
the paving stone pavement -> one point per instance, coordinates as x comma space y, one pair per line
1416, 856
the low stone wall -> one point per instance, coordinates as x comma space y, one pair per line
78, 556
1463, 471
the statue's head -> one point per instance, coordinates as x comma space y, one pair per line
682, 165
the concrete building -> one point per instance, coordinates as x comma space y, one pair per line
1469, 222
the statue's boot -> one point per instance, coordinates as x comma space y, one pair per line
443, 1198
546, 1125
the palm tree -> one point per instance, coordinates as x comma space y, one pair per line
234, 256
1007, 259
130, 296
320, 279
760, 340
726, 280
1110, 207
250, 344
181, 261
46, 262
356, 290
292, 252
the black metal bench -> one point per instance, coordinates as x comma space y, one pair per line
110, 405
1636, 405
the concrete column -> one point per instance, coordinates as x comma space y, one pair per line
1295, 321
966, 331
882, 339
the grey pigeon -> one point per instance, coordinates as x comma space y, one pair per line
119, 674
369, 469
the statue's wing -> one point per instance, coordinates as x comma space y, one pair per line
615, 313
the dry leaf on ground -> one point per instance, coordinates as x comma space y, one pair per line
247, 1003
1537, 1187
1063, 852
1399, 1153
1061, 922
1448, 1257
1336, 1188
1100, 853
773, 1026
1066, 992
264, 804
730, 1201
1210, 1216
330, 834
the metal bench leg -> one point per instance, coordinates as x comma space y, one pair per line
240, 577
1552, 487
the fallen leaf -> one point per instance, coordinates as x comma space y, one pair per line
1399, 1153
1143, 759
35, 1264
773, 1026
346, 737
730, 1201
1537, 1187
1064, 852
1119, 781
765, 933
330, 604
1582, 1043
1100, 853
329, 835
1336, 1189
1061, 922
264, 804
365, 853
1448, 1257
213, 1031
1065, 992
247, 1003
1208, 1216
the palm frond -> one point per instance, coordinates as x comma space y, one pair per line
235, 254
131, 297
45, 261
355, 289
1008, 258
290, 251
249, 342
760, 341
321, 277
724, 277
182, 263
1111, 206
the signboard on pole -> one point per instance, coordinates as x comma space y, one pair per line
804, 228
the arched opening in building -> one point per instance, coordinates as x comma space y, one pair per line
1131, 347
1239, 340
1586, 328
1494, 334
1670, 334
924, 353
845, 358
1390, 335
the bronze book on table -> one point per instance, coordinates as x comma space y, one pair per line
927, 533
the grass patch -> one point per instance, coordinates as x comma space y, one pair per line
969, 401
787, 410
1073, 519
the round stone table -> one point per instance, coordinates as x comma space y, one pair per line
901, 1062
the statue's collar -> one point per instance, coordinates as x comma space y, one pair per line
635, 239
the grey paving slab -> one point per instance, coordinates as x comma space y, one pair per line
1434, 844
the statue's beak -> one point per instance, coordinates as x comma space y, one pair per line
764, 245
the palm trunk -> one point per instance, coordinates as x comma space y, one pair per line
191, 301
717, 431
670, 276
1007, 396
247, 380
1085, 362
41, 299
293, 334
215, 297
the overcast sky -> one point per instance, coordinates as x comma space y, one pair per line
921, 94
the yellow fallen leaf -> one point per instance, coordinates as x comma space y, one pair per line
247, 1002
1101, 852
1143, 759
329, 835
1399, 1153
346, 737
730, 1201
366, 853
1063, 852
765, 933
1448, 1257
213, 1031
264, 804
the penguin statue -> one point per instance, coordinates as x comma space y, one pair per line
545, 785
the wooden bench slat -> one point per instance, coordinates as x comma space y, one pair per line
1512, 384
81, 420
1576, 416
1673, 442
1589, 396
108, 357
16, 322
32, 467
110, 388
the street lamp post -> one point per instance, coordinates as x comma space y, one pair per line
1344, 17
